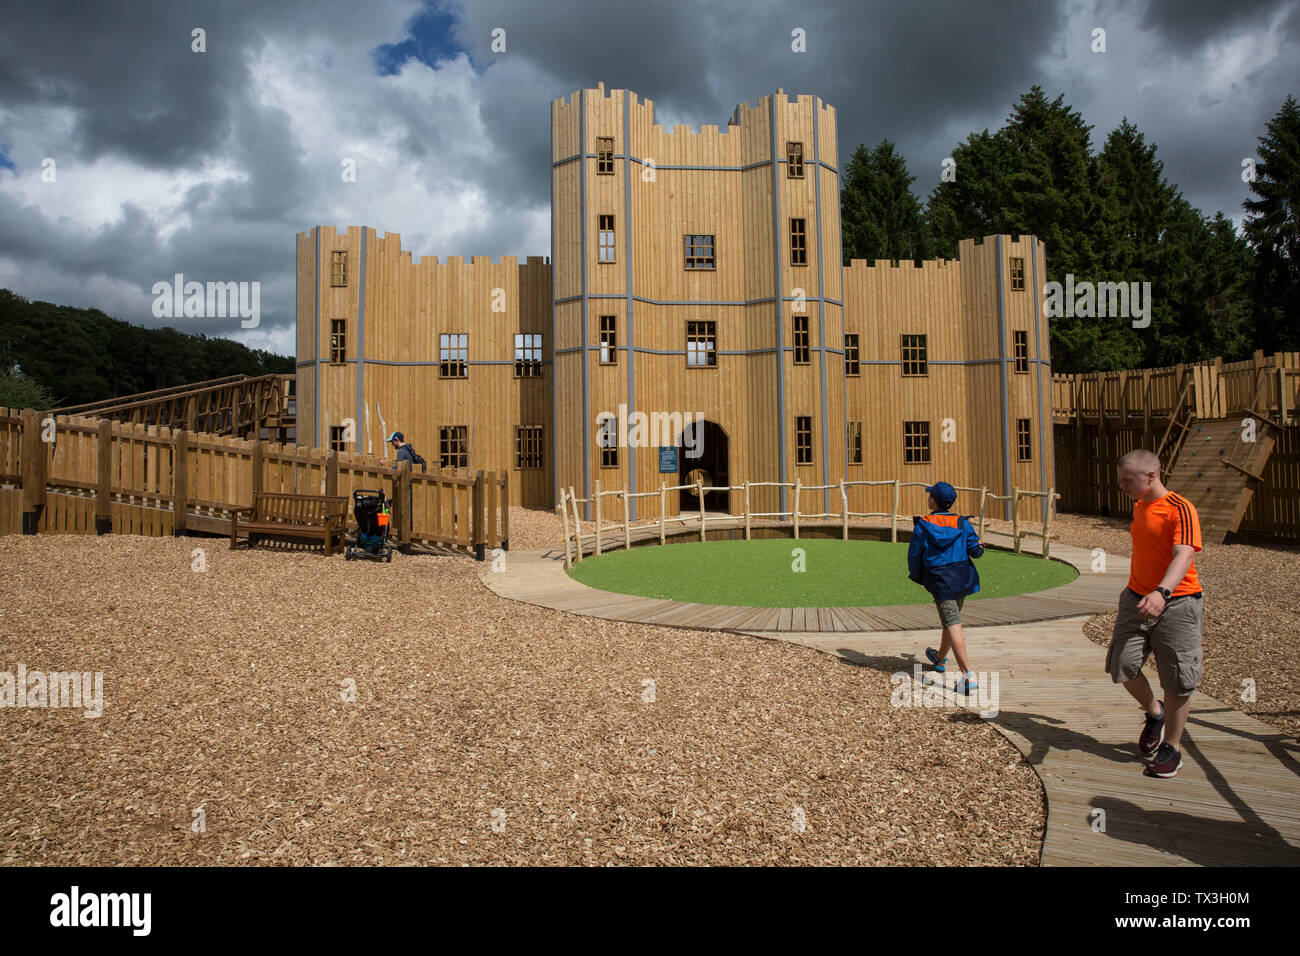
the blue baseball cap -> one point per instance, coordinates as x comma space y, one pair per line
943, 493
398, 435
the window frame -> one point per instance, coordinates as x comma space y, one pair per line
1017, 272
453, 446
798, 241
601, 245
694, 259
803, 441
702, 332
530, 448
339, 269
457, 368
1024, 440
794, 159
526, 367
853, 363
608, 346
604, 157
804, 349
853, 440
1020, 346
338, 341
919, 359
917, 450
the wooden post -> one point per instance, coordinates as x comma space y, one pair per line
103, 484
505, 509
564, 517
663, 507
491, 529
402, 504
798, 485
1015, 517
747, 509
34, 469
259, 466
1047, 523
595, 513
627, 525
844, 502
180, 481
893, 518
699, 493
577, 524
332, 473
478, 514
983, 492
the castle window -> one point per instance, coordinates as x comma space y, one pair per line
453, 355
1022, 351
699, 252
798, 242
336, 437
528, 355
528, 446
851, 362
338, 341
801, 340
606, 224
855, 443
605, 155
339, 269
803, 440
607, 440
916, 443
794, 160
608, 340
1024, 448
453, 446
914, 360
1017, 274
701, 344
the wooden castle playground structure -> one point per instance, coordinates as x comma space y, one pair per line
1227, 435
692, 272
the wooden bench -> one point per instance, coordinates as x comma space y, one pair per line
318, 517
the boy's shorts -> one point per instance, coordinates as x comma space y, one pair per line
950, 611
1175, 636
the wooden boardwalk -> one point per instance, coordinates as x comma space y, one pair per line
1235, 802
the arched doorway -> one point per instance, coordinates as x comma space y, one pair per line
711, 441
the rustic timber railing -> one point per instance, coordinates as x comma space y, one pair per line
573, 539
83, 475
237, 405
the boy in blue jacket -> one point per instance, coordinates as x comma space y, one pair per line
939, 559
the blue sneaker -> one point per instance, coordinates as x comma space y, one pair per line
966, 685
933, 656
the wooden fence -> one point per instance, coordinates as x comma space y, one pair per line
82, 475
573, 539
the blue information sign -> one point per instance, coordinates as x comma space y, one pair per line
667, 459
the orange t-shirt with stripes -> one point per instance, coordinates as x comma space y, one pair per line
1156, 528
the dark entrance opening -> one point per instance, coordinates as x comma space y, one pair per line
710, 442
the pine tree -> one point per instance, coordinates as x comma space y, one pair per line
1273, 228
880, 215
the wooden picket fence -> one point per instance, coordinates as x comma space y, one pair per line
84, 475
573, 538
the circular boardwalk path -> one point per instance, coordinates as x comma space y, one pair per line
1236, 801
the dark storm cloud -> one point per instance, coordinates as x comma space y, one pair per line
1190, 24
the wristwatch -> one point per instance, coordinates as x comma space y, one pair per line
1164, 592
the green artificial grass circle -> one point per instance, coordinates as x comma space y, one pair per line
765, 573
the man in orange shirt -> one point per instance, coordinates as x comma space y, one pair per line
1161, 610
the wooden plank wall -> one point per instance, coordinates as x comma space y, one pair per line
408, 305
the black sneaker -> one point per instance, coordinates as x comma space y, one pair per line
1167, 762
1153, 734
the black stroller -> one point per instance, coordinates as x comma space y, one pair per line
370, 508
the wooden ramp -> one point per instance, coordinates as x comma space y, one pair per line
1218, 470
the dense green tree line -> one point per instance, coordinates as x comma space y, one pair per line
1106, 215
53, 355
